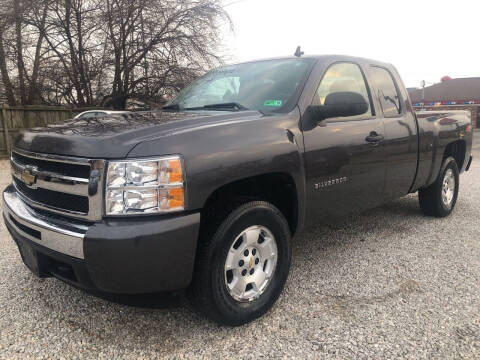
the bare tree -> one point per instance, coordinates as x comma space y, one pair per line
152, 40
5, 24
17, 17
8, 87
36, 20
21, 49
71, 32
78, 52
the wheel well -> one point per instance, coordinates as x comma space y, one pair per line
457, 150
276, 188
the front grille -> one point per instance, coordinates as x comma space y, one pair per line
66, 169
58, 200
59, 185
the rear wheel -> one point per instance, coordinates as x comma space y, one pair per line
439, 199
242, 264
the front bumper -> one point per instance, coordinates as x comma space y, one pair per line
126, 256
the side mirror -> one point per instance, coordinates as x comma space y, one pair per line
339, 104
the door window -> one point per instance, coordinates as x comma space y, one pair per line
342, 77
387, 91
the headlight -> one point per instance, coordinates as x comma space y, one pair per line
145, 186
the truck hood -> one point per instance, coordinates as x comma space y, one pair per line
114, 136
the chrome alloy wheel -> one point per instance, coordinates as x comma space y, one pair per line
448, 188
250, 263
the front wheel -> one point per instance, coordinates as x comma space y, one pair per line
242, 264
439, 198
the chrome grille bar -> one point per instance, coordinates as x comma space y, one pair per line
51, 181
54, 158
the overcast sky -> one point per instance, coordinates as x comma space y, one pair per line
424, 39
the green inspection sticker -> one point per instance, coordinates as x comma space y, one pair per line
274, 103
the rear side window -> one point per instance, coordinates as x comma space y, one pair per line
387, 91
342, 77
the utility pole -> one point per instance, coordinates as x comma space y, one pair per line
422, 84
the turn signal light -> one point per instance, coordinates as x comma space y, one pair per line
171, 199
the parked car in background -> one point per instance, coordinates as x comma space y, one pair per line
207, 194
98, 113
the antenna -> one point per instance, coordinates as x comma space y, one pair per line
298, 52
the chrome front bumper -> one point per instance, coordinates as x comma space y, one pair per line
126, 256
61, 237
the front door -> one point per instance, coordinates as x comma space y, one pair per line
345, 159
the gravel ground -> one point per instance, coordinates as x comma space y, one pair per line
387, 284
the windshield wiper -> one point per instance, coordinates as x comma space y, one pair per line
224, 106
173, 107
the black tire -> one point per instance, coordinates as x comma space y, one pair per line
208, 291
430, 198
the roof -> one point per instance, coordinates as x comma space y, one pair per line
326, 58
450, 90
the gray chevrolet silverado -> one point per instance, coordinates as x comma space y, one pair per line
207, 194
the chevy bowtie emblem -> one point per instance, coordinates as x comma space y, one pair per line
28, 178
250, 263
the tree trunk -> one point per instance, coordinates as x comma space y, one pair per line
34, 91
19, 43
81, 55
5, 77
73, 55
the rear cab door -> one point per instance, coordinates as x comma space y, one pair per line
345, 170
401, 133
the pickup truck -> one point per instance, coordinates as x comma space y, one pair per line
207, 194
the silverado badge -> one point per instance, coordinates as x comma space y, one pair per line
28, 178
330, 182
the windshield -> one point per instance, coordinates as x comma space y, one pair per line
270, 85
